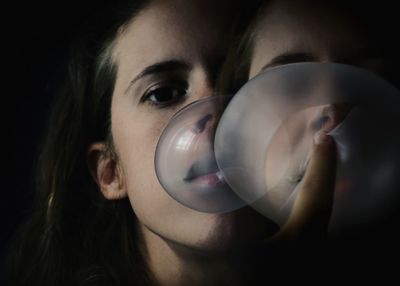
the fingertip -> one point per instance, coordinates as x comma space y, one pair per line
322, 137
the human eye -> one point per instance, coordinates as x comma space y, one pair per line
165, 94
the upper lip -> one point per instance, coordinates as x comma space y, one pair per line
204, 166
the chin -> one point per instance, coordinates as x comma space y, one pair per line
235, 231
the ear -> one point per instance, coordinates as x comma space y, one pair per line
106, 171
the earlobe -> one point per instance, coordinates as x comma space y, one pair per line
105, 171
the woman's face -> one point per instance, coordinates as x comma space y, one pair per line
168, 57
305, 31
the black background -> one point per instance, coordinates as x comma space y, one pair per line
35, 41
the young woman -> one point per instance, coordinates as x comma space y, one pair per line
102, 217
345, 32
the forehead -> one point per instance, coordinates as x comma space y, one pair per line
322, 29
325, 20
174, 29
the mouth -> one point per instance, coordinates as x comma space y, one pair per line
207, 180
205, 172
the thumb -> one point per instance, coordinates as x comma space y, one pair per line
312, 208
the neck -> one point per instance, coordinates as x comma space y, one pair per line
173, 264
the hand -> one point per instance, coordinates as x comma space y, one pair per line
309, 217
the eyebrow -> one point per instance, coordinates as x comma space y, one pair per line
160, 67
288, 58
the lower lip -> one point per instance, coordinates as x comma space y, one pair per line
209, 180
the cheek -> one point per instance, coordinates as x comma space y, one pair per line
135, 136
286, 156
136, 133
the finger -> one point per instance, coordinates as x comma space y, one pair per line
312, 208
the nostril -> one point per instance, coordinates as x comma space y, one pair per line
331, 116
202, 123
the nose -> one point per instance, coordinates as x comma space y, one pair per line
330, 116
203, 122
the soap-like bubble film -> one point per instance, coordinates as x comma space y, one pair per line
185, 160
257, 151
264, 139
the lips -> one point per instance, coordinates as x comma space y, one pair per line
204, 171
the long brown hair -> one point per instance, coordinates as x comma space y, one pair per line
75, 236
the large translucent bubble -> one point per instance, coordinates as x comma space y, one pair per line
262, 143
185, 160
264, 139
